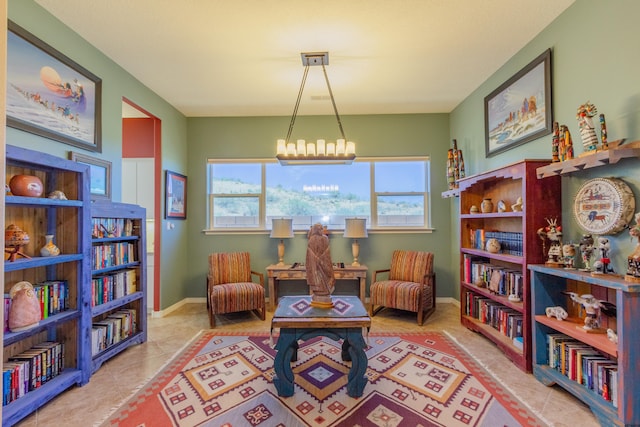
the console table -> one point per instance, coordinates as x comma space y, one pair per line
298, 320
275, 273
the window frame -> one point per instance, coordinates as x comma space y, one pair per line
372, 224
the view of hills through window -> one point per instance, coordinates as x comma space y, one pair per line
319, 193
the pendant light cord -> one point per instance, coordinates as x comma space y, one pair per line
333, 102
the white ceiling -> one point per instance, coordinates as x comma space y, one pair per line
242, 57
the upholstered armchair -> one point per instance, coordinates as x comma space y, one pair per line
410, 284
230, 287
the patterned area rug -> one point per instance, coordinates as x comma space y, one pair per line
413, 380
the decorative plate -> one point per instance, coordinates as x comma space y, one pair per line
604, 206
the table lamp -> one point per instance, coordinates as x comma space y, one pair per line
355, 228
281, 228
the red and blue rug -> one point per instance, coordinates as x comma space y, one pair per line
413, 380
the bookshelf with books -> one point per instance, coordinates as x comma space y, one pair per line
118, 279
49, 357
607, 378
494, 282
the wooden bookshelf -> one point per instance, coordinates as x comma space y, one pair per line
541, 199
68, 220
547, 285
121, 228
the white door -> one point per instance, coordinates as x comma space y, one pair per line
137, 188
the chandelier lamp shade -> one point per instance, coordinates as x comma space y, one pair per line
355, 228
281, 228
300, 151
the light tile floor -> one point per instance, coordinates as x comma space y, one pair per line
119, 377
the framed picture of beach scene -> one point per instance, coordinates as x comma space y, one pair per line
50, 95
520, 110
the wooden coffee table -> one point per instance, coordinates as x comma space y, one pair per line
297, 320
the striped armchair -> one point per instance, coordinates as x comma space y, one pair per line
411, 284
230, 288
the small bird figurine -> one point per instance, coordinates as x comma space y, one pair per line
593, 307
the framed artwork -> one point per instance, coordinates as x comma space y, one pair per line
519, 110
50, 95
100, 174
175, 190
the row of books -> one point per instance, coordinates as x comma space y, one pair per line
585, 365
53, 296
31, 369
112, 286
505, 320
510, 241
500, 280
113, 254
111, 227
114, 328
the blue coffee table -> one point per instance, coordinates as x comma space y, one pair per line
298, 320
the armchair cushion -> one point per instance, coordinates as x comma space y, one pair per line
229, 267
410, 266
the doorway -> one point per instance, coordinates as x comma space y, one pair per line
141, 172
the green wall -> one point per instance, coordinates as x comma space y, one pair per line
375, 136
116, 84
594, 58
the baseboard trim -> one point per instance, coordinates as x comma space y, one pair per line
174, 307
203, 300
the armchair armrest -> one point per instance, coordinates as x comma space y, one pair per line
429, 277
260, 276
375, 273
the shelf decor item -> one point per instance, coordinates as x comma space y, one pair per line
451, 179
553, 233
486, 206
25, 307
51, 78
49, 248
633, 260
585, 115
26, 185
586, 251
14, 239
604, 206
510, 122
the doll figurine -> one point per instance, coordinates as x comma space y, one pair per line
586, 251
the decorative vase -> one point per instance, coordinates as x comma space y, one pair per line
493, 246
49, 249
26, 185
486, 206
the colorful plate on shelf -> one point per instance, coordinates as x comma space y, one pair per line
604, 206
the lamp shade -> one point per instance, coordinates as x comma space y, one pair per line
282, 228
355, 228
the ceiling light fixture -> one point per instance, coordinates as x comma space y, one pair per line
321, 151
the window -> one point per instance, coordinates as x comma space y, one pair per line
390, 193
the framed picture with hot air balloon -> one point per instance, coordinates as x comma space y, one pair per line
49, 94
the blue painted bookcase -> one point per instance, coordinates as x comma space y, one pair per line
547, 285
69, 221
118, 282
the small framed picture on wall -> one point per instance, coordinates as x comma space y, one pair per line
175, 206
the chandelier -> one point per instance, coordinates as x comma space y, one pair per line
321, 151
